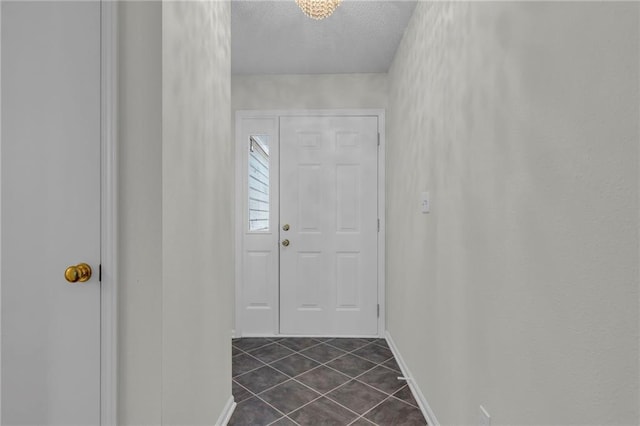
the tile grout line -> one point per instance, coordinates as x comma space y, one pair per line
250, 393
352, 352
257, 396
356, 378
373, 408
275, 408
402, 400
284, 417
375, 388
277, 359
382, 402
250, 371
365, 419
389, 396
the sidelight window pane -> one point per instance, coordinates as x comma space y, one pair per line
258, 183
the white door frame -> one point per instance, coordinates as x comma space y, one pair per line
109, 217
109, 212
239, 159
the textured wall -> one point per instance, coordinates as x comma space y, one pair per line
176, 275
520, 290
140, 213
309, 91
197, 221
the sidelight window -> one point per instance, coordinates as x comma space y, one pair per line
258, 183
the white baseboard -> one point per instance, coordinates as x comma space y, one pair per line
227, 411
415, 390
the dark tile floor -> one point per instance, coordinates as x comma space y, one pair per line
319, 381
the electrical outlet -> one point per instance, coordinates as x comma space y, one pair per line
485, 418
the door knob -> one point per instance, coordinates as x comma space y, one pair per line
285, 227
285, 243
78, 273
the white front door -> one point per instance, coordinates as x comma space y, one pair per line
50, 215
328, 225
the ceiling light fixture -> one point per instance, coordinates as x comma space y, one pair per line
318, 9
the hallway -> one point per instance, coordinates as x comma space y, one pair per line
517, 292
311, 381
510, 217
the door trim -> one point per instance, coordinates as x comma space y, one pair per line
109, 212
247, 114
0, 210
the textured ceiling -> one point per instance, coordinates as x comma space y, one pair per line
275, 37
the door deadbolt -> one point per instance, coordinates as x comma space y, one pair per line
285, 227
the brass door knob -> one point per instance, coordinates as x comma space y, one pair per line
285, 227
78, 273
285, 243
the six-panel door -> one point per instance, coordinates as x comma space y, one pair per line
328, 199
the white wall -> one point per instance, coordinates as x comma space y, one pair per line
140, 213
310, 91
197, 174
176, 276
519, 291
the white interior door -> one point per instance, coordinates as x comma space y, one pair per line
50, 216
328, 225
